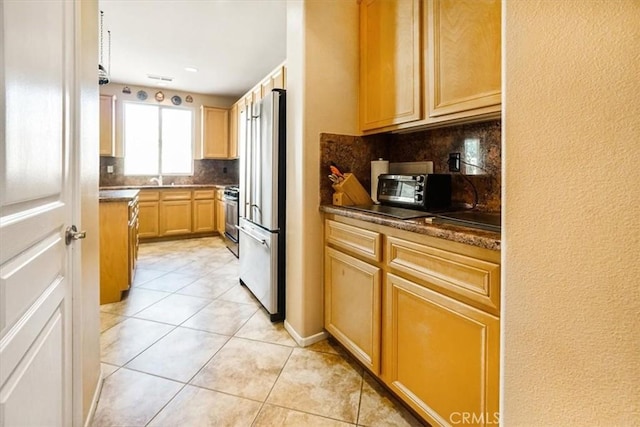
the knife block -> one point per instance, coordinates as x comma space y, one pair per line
350, 192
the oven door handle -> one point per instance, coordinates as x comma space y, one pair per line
245, 231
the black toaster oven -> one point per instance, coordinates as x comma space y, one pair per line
428, 192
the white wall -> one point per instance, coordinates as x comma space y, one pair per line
322, 84
571, 205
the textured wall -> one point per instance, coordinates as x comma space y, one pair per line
322, 89
571, 223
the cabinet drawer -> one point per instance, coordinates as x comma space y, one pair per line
220, 194
149, 196
362, 242
469, 279
176, 195
203, 194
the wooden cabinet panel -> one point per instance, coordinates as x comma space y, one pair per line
204, 215
352, 305
278, 78
175, 195
118, 248
175, 217
148, 219
390, 63
215, 133
257, 94
473, 280
203, 194
362, 242
442, 356
463, 52
107, 125
221, 214
233, 132
149, 195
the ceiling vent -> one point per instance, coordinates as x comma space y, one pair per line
160, 78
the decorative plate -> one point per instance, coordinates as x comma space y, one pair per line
159, 96
142, 95
176, 100
189, 98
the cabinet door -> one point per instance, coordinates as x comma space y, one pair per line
278, 78
441, 356
204, 216
175, 217
463, 50
220, 216
148, 219
215, 133
390, 63
352, 305
233, 132
107, 125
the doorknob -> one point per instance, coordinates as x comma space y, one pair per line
72, 233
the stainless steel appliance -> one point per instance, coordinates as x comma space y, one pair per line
262, 202
428, 192
231, 218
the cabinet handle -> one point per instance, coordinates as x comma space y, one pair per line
72, 234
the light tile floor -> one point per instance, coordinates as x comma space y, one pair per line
189, 346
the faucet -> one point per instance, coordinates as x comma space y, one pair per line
157, 180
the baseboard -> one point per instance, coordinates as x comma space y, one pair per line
94, 401
307, 341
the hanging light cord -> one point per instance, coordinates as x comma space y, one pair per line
101, 25
109, 37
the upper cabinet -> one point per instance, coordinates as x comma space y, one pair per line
215, 133
107, 125
390, 91
458, 64
463, 50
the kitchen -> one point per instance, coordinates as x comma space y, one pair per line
547, 343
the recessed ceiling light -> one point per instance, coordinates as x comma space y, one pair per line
191, 69
162, 83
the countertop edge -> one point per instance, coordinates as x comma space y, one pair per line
162, 187
470, 236
117, 195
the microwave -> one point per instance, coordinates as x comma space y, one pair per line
428, 192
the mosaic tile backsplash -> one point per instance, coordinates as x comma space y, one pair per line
478, 143
206, 171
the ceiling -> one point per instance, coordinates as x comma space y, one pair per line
232, 43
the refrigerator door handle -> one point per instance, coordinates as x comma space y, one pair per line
245, 231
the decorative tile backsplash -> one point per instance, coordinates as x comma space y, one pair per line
479, 144
206, 171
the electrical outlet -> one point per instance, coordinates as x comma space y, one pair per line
224, 170
454, 162
110, 169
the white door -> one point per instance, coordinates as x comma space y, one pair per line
36, 178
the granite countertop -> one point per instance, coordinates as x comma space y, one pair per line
164, 187
470, 236
117, 195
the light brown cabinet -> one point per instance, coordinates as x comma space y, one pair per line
233, 131
352, 305
390, 89
177, 212
204, 215
221, 210
215, 132
107, 125
419, 312
149, 216
118, 247
429, 63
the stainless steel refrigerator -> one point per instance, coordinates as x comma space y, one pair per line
262, 201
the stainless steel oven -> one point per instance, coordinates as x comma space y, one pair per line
231, 219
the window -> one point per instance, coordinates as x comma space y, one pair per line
157, 140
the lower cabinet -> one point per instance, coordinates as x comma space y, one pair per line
118, 247
420, 313
441, 356
352, 305
221, 212
177, 212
